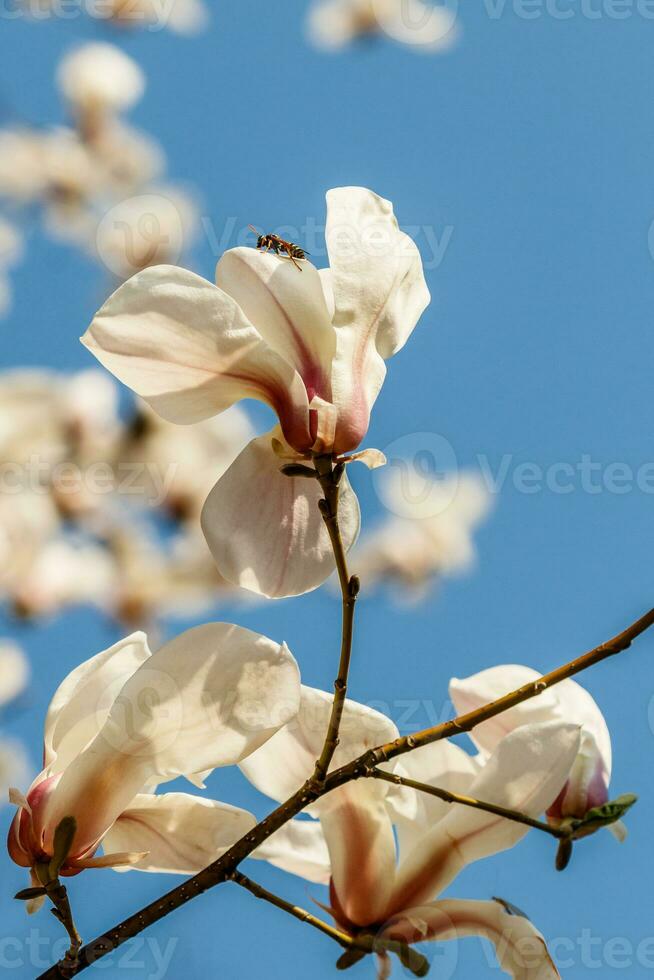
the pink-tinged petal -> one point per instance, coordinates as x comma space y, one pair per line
206, 699
265, 530
287, 307
526, 774
288, 759
177, 833
567, 701
187, 348
587, 785
361, 844
80, 705
472, 692
379, 295
521, 950
298, 847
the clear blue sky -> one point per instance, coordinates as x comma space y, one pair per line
533, 141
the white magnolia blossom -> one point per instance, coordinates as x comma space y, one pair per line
185, 17
14, 672
588, 782
82, 491
428, 26
414, 551
353, 847
310, 344
145, 230
22, 174
100, 78
182, 16
128, 720
182, 464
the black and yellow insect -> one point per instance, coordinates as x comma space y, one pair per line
273, 243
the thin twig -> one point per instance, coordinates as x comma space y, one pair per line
260, 892
222, 869
469, 801
329, 477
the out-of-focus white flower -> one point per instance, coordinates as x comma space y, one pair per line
28, 520
179, 466
183, 16
64, 574
22, 165
353, 847
150, 229
426, 26
14, 671
128, 159
153, 583
100, 78
14, 766
127, 720
312, 345
415, 551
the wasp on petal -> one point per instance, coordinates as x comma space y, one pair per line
273, 243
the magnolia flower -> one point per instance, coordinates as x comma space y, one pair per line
126, 158
588, 783
127, 720
22, 169
178, 467
99, 79
310, 344
182, 16
14, 672
353, 847
28, 519
14, 675
414, 550
146, 230
334, 23
64, 573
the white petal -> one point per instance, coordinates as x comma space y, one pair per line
520, 948
264, 529
298, 847
288, 759
80, 705
186, 347
567, 701
379, 295
287, 307
206, 699
442, 764
100, 76
180, 833
526, 773
473, 692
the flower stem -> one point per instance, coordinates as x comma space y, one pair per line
329, 477
260, 892
222, 869
447, 797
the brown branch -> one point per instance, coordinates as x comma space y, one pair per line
223, 869
342, 938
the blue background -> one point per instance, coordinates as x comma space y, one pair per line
534, 141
